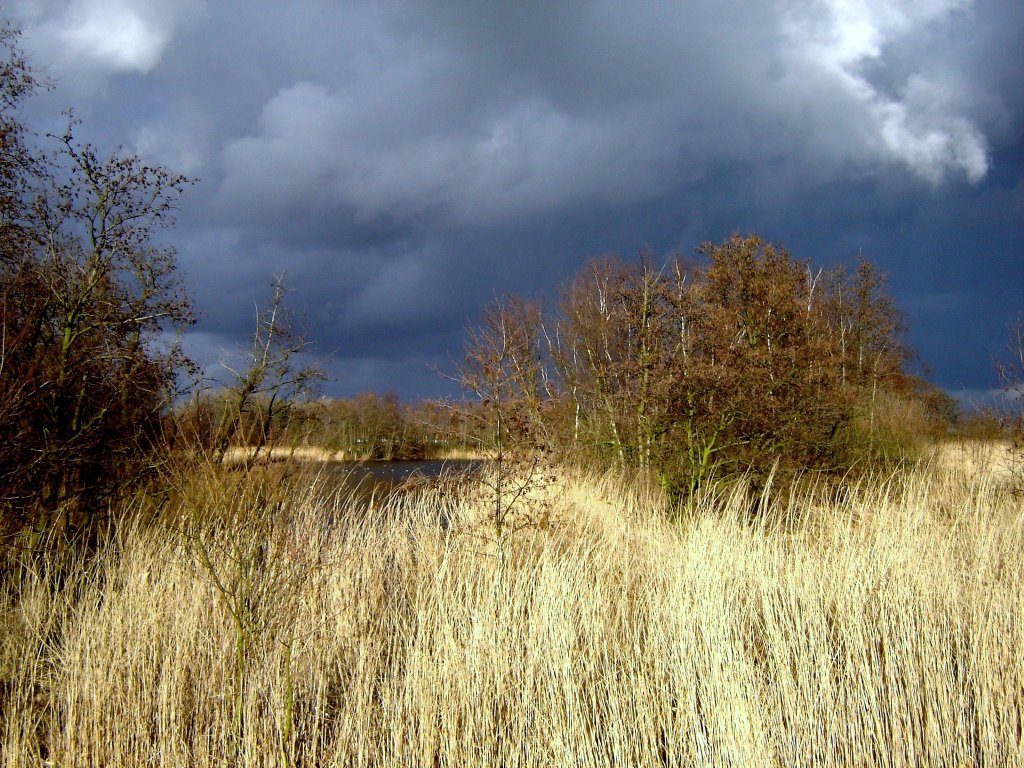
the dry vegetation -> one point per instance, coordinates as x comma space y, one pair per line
876, 625
242, 455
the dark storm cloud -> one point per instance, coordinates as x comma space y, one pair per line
401, 161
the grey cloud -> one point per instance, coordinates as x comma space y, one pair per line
415, 137
401, 159
410, 287
313, 148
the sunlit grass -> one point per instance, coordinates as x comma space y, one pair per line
241, 455
875, 625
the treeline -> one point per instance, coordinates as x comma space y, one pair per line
368, 427
743, 359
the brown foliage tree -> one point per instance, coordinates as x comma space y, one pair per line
85, 300
745, 360
761, 378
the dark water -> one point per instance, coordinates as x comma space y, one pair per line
364, 479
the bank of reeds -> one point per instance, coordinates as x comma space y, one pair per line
245, 455
876, 625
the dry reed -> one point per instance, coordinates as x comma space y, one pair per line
879, 625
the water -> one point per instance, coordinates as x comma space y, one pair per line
364, 479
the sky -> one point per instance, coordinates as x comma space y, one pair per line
402, 162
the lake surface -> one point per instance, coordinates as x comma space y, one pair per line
363, 479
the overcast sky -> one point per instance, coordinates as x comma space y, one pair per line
401, 161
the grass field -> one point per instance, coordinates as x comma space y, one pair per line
875, 624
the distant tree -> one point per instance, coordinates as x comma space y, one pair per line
377, 426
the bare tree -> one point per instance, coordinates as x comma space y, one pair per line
588, 354
270, 383
867, 326
19, 166
503, 369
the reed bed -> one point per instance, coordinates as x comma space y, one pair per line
874, 625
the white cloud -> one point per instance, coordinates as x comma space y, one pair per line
920, 126
103, 36
114, 34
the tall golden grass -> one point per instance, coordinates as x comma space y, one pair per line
878, 624
244, 455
